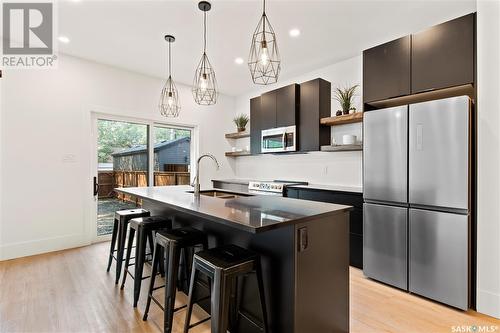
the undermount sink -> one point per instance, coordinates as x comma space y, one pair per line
221, 194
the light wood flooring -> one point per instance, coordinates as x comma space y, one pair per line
70, 291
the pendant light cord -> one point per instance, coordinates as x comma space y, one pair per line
169, 59
204, 32
264, 21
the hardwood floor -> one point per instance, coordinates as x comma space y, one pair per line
70, 291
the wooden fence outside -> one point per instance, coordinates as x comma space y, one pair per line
111, 179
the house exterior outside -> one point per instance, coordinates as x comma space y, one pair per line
168, 156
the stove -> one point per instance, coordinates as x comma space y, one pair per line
276, 187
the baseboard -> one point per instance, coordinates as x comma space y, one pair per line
28, 248
488, 303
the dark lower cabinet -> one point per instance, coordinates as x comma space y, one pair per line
355, 219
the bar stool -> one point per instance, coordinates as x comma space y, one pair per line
143, 229
223, 265
122, 217
172, 243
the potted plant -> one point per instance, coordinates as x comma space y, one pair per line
241, 122
345, 97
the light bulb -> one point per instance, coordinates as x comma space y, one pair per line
203, 82
264, 56
170, 101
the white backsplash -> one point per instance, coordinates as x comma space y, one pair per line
337, 168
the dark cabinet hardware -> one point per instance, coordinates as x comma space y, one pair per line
355, 217
96, 187
303, 241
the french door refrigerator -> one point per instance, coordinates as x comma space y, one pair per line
416, 187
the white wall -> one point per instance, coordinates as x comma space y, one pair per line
46, 115
339, 168
488, 214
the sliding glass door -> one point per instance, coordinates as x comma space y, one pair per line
135, 154
172, 155
122, 161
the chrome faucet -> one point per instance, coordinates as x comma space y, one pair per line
196, 180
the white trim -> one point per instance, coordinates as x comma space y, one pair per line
98, 112
488, 303
32, 247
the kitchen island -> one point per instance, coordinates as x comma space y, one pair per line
304, 247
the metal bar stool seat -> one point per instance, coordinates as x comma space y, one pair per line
143, 229
172, 243
119, 235
223, 265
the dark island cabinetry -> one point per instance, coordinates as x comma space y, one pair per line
443, 55
355, 218
386, 70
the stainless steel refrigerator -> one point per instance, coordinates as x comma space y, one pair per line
416, 188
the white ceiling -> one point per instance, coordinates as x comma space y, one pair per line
129, 34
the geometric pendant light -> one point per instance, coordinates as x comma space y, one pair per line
169, 104
204, 83
264, 60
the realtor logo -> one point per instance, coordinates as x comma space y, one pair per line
28, 34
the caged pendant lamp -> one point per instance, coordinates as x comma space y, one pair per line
169, 104
204, 84
264, 60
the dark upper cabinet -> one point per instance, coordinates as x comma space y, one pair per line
386, 70
443, 55
287, 105
268, 110
315, 103
280, 107
255, 125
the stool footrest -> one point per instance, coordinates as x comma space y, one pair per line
158, 303
200, 322
251, 319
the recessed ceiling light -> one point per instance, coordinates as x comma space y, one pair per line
63, 39
239, 61
294, 32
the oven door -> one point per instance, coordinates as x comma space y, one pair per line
273, 140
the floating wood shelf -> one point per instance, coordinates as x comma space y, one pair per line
237, 135
342, 148
341, 120
237, 153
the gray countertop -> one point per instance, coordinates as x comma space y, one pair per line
326, 187
233, 181
249, 213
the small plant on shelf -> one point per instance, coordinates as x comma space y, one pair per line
241, 122
345, 96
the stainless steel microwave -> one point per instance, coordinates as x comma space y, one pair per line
280, 139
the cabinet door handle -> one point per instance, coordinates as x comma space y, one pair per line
303, 241
96, 187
